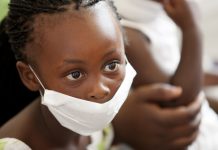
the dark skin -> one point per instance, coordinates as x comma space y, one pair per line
157, 127
182, 14
154, 127
210, 79
98, 79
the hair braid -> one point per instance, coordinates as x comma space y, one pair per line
21, 17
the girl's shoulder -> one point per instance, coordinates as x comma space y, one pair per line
13, 144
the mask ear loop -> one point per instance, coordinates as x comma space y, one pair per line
38, 80
126, 60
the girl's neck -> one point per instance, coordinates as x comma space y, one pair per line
55, 133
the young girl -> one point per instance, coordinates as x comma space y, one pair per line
72, 53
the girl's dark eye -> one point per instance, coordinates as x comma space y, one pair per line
76, 75
112, 67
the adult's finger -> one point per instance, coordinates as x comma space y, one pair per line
185, 130
171, 117
158, 92
183, 143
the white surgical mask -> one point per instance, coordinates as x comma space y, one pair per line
139, 10
82, 116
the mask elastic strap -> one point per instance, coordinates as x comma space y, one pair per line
126, 60
37, 77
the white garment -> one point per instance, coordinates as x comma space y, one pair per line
160, 31
13, 144
208, 135
165, 48
100, 138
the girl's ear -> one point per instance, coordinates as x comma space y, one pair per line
27, 76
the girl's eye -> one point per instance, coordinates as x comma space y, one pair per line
112, 67
75, 75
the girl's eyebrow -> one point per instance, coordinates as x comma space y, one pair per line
77, 61
109, 53
69, 61
73, 61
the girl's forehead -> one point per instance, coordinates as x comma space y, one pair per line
85, 29
99, 15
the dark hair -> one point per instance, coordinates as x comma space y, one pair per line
21, 17
14, 95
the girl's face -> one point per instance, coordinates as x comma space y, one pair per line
79, 53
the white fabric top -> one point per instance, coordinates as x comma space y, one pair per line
159, 28
13, 144
101, 140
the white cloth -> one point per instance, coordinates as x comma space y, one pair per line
165, 48
102, 139
208, 135
165, 51
13, 144
99, 140
161, 31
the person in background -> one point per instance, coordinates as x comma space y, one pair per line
154, 50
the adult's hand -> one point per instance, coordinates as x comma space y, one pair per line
143, 124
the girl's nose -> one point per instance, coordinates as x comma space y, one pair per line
99, 92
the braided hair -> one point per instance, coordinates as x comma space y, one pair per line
21, 18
